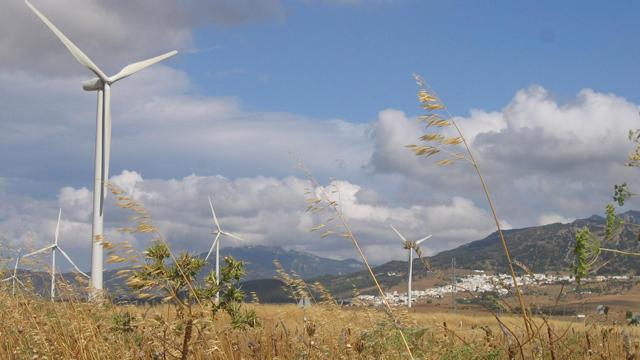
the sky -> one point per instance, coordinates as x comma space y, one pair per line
545, 91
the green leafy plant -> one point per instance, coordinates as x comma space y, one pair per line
586, 251
122, 322
176, 283
613, 224
169, 280
587, 246
381, 338
231, 297
621, 193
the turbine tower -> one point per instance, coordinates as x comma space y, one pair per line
411, 246
102, 85
53, 247
14, 278
216, 243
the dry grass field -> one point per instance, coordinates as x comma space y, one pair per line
38, 329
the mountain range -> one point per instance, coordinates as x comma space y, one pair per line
259, 262
546, 248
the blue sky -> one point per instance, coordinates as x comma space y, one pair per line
333, 60
545, 91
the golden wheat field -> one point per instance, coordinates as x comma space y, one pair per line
38, 329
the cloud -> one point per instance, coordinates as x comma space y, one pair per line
539, 156
115, 33
162, 131
553, 218
263, 210
77, 202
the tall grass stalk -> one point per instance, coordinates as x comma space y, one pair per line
146, 226
432, 103
335, 207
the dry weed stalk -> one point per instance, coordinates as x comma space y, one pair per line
145, 225
325, 295
318, 202
437, 117
295, 287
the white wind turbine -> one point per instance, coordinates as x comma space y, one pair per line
53, 247
411, 246
14, 278
102, 85
216, 243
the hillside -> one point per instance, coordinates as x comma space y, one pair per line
544, 248
260, 268
259, 262
547, 248
259, 265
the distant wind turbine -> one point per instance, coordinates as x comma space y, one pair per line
216, 243
411, 246
101, 84
14, 278
53, 247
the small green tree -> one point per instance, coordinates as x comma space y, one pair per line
231, 295
176, 283
586, 253
588, 247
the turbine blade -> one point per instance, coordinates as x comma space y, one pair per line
40, 251
234, 236
107, 138
135, 67
15, 267
20, 282
423, 239
75, 51
215, 218
212, 247
72, 263
100, 140
404, 239
7, 279
57, 233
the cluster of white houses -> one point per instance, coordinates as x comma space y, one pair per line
480, 282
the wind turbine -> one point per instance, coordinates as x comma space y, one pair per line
14, 278
411, 246
53, 247
102, 85
216, 243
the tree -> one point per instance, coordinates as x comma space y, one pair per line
176, 283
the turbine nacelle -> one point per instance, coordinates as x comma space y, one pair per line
409, 244
94, 84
